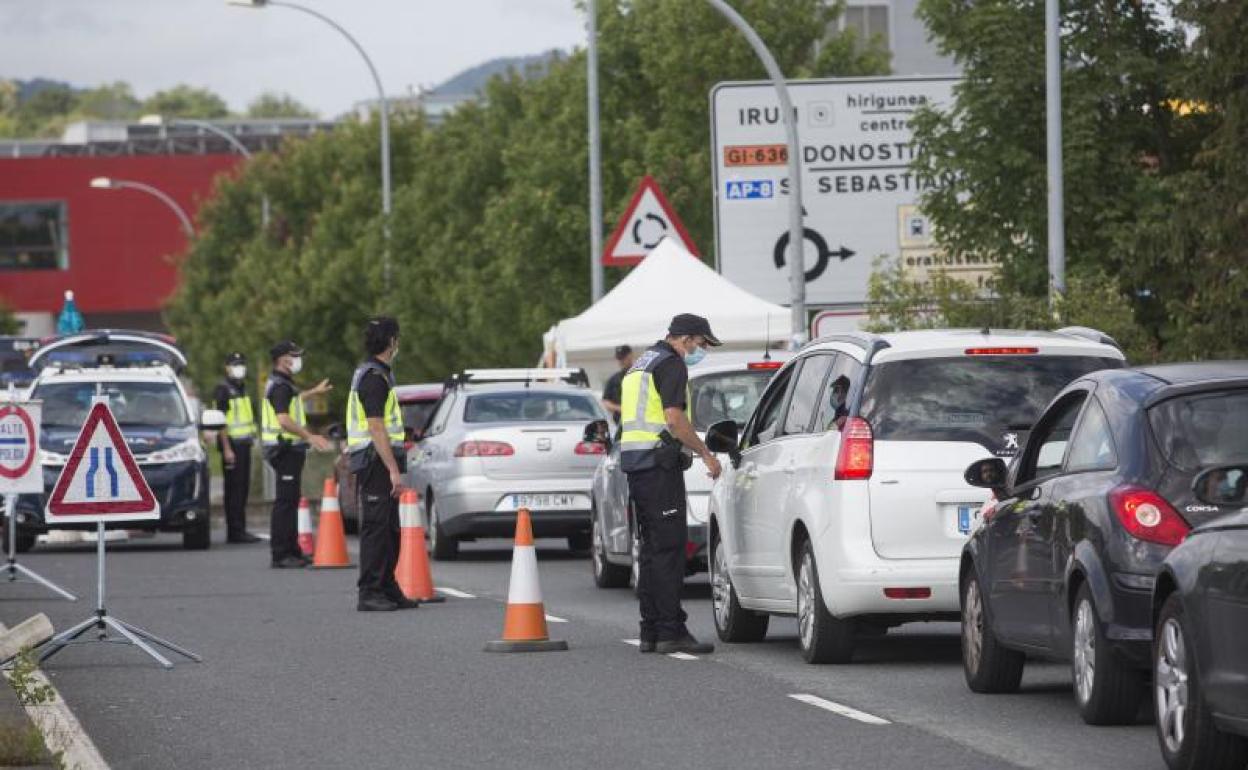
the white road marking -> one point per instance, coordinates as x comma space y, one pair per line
634, 642
554, 619
837, 708
62, 732
682, 656
455, 592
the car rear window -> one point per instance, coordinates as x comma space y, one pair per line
726, 396
531, 407
1203, 429
968, 398
416, 413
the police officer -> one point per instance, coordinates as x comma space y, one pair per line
284, 433
611, 390
655, 448
375, 450
235, 445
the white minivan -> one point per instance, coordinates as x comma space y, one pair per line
844, 502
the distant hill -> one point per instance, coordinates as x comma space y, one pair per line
472, 80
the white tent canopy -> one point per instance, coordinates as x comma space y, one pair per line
637, 312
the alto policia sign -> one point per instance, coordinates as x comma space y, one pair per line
859, 193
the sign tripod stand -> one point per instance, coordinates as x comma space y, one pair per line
17, 571
101, 621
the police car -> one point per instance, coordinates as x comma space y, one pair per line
138, 373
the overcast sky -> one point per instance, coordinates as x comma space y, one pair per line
241, 52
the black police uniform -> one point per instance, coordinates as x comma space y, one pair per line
236, 476
379, 527
287, 460
611, 391
658, 495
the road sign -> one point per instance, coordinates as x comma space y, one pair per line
648, 219
20, 469
856, 145
101, 482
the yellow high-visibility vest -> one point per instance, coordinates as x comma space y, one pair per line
641, 412
271, 432
240, 422
358, 436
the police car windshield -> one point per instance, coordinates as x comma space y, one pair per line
980, 399
531, 407
726, 396
135, 404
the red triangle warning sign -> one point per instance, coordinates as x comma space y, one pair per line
648, 219
101, 481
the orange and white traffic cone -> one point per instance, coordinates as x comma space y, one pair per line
524, 625
331, 540
305, 528
412, 572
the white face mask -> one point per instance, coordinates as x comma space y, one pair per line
237, 371
296, 364
395, 354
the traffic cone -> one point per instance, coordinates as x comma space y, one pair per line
331, 541
305, 528
524, 625
412, 572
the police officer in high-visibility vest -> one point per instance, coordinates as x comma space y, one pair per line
235, 443
656, 446
284, 433
376, 455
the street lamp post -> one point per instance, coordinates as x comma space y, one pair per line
107, 183
797, 238
381, 97
1053, 113
159, 120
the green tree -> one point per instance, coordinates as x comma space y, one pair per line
275, 105
185, 101
114, 101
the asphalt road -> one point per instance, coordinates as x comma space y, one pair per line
294, 677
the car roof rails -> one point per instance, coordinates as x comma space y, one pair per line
526, 376
870, 343
1088, 333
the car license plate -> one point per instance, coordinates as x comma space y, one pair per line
966, 515
546, 502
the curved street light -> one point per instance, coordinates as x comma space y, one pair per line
381, 97
233, 141
108, 183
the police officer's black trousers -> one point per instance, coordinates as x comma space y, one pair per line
284, 522
237, 483
379, 534
659, 500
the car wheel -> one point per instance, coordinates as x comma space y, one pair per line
634, 567
822, 637
1185, 729
733, 623
1107, 690
989, 666
24, 541
606, 574
443, 546
197, 537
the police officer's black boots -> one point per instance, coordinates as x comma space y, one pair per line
685, 644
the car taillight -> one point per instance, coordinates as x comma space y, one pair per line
1002, 351
1146, 515
856, 459
757, 365
590, 448
484, 449
409, 445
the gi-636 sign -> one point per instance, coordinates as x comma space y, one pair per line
858, 189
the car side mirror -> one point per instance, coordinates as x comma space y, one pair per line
988, 474
212, 419
723, 438
1227, 485
597, 432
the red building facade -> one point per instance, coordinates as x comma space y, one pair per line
117, 249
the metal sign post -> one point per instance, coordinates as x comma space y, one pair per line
102, 483
21, 473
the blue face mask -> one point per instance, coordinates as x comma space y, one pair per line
694, 358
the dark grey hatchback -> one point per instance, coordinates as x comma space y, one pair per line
1064, 562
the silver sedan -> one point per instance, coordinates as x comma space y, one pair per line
492, 449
